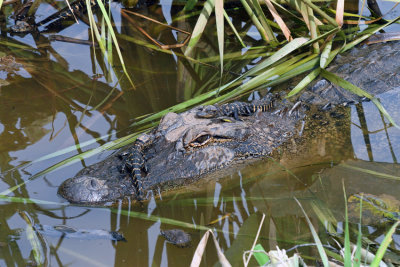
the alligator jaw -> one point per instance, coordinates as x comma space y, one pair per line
211, 158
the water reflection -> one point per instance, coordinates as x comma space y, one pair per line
373, 138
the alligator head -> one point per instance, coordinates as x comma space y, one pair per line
183, 148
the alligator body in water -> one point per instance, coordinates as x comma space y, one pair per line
197, 143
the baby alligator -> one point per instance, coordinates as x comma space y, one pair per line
237, 109
135, 163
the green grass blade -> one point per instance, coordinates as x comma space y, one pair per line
260, 255
114, 38
219, 16
379, 174
190, 4
281, 53
323, 62
93, 27
200, 25
324, 215
145, 216
320, 12
313, 29
28, 200
384, 245
109, 40
347, 247
103, 32
358, 91
357, 255
255, 20
304, 82
322, 253
234, 29
362, 38
62, 151
263, 20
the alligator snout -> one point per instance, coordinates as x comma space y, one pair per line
85, 190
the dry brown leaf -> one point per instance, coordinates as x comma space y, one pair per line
279, 20
198, 254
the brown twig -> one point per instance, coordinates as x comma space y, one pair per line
156, 42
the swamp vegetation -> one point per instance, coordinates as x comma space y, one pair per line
76, 86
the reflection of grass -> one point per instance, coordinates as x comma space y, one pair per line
350, 254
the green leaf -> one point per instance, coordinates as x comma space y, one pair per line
347, 247
364, 170
281, 53
359, 40
357, 255
200, 25
253, 16
384, 245
319, 11
323, 62
260, 255
145, 216
190, 4
263, 20
304, 82
233, 29
114, 38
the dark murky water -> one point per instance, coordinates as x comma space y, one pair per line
53, 100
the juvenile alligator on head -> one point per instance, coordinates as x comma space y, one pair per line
192, 145
237, 109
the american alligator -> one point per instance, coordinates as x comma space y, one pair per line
188, 146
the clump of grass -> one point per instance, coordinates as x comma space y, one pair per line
350, 255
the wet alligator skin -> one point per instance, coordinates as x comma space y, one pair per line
135, 162
179, 153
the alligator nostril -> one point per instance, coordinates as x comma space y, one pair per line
93, 183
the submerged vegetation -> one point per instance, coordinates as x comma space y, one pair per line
249, 45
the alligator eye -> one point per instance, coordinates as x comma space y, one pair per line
201, 140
